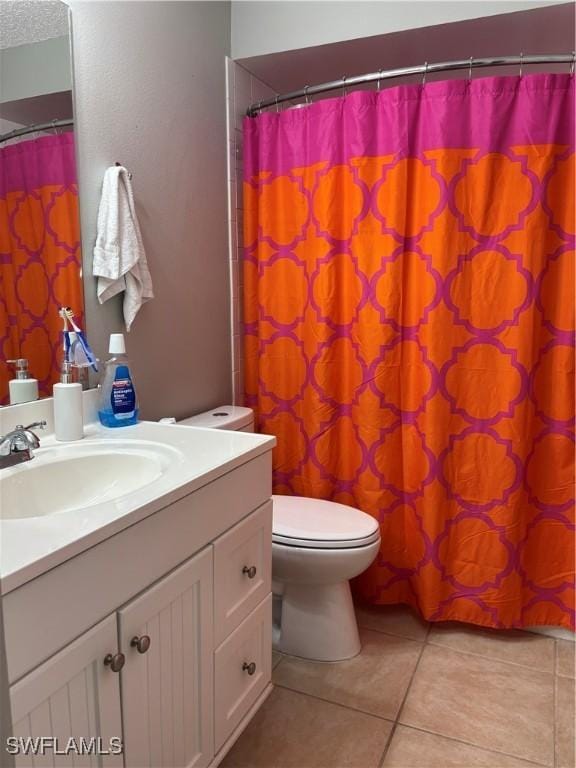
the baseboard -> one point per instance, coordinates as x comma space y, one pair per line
559, 633
236, 733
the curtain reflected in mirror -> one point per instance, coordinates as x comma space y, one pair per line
40, 255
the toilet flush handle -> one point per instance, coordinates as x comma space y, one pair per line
249, 571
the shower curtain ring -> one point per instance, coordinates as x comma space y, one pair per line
424, 73
344, 89
470, 69
379, 78
307, 98
276, 100
521, 64
572, 64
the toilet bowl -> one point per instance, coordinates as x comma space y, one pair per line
317, 547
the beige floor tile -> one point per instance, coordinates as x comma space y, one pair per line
493, 705
565, 715
375, 681
565, 659
394, 619
276, 659
525, 648
296, 731
416, 749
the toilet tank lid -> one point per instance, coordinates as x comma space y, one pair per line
232, 417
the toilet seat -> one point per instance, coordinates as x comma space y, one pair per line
322, 543
318, 524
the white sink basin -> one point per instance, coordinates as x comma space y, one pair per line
72, 496
75, 476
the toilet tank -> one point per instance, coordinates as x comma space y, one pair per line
232, 417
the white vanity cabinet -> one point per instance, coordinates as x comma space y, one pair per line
178, 664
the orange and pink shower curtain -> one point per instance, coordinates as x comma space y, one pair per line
409, 333
40, 258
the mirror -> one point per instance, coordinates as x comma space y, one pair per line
40, 250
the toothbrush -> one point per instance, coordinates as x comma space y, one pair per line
80, 335
65, 334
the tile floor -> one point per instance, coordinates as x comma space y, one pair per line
419, 696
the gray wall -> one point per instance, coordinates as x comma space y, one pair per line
266, 26
150, 93
36, 68
540, 30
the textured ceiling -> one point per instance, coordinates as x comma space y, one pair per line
30, 21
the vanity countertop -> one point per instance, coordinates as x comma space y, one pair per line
30, 546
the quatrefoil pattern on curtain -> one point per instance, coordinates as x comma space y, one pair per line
409, 333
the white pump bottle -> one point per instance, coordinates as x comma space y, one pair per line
68, 412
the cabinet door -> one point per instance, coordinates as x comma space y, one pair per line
72, 695
167, 690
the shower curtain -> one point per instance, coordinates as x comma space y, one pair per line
409, 333
40, 257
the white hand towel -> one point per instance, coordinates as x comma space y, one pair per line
119, 257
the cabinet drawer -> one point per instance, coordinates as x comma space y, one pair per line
238, 685
237, 588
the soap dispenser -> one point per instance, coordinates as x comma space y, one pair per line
68, 412
23, 389
118, 403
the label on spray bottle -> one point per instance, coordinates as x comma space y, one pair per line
123, 397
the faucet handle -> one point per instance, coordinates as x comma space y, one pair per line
34, 425
30, 438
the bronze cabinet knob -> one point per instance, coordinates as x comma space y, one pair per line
114, 661
140, 643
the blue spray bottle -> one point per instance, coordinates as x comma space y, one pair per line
118, 403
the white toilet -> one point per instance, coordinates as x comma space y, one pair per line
317, 547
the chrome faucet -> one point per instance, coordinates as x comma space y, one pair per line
19, 444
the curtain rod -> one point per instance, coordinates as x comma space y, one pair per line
422, 69
36, 127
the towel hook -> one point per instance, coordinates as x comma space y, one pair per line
119, 165
521, 64
424, 73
